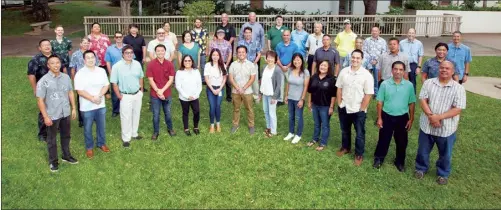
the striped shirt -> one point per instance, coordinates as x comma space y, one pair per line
441, 98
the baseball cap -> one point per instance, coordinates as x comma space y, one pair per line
347, 21
220, 31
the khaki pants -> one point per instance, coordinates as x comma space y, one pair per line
246, 99
255, 84
130, 111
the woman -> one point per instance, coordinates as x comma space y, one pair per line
322, 89
271, 82
189, 47
295, 92
189, 85
215, 77
62, 46
223, 46
99, 42
169, 35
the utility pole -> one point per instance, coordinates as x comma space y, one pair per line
140, 9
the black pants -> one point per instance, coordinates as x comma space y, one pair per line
80, 119
412, 75
42, 128
310, 63
195, 107
228, 83
358, 120
62, 126
107, 74
392, 126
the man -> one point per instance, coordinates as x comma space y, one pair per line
431, 68
345, 40
275, 33
299, 37
112, 56
62, 46
326, 52
439, 121
91, 84
169, 53
314, 42
257, 30
160, 73
127, 80
200, 36
354, 90
54, 95
359, 41
242, 75
386, 60
285, 50
37, 68
395, 111
136, 41
461, 55
253, 55
374, 46
230, 35
415, 52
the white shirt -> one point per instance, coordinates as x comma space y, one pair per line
91, 81
169, 47
313, 43
188, 83
266, 83
214, 73
172, 37
355, 85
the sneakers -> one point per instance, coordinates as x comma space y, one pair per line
126, 144
419, 174
358, 160
377, 164
442, 180
218, 128
234, 129
289, 137
154, 136
53, 167
70, 160
252, 130
296, 139
196, 131
172, 133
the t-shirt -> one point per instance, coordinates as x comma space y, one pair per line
313, 43
91, 81
229, 31
241, 73
322, 90
296, 84
160, 72
345, 42
285, 52
169, 47
215, 74
190, 51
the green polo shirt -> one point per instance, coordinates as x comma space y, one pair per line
396, 97
275, 36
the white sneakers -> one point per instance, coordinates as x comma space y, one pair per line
295, 140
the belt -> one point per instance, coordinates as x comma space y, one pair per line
129, 93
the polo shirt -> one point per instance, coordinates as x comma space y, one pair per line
331, 54
441, 98
127, 76
91, 81
241, 73
396, 97
300, 38
313, 43
345, 42
54, 90
322, 90
137, 42
160, 72
355, 85
169, 47
285, 52
413, 49
387, 59
431, 67
37, 66
275, 36
114, 54
229, 32
460, 55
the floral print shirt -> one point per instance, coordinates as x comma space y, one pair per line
62, 49
200, 39
99, 46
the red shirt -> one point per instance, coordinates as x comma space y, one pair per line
160, 73
99, 46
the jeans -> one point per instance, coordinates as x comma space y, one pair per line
270, 114
295, 113
214, 104
202, 66
345, 122
412, 75
376, 82
444, 145
115, 103
156, 103
392, 126
195, 106
63, 126
89, 117
321, 118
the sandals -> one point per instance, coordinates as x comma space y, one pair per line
311, 143
320, 148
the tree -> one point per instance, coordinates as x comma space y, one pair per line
41, 10
125, 7
370, 7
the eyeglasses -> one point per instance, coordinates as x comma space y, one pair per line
119, 37
128, 53
187, 61
160, 33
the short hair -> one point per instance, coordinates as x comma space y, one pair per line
95, 23
330, 69
160, 45
326, 35
197, 18
57, 26
84, 38
441, 44
272, 54
184, 34
359, 38
393, 39
242, 46
457, 32
318, 23
133, 26
166, 22
448, 61
53, 56
358, 51
87, 52
247, 28
278, 16
118, 32
396, 63
42, 40
127, 47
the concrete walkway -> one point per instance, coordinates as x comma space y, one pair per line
484, 86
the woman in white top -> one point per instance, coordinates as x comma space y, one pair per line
271, 82
189, 85
215, 77
169, 35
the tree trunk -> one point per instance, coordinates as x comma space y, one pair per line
41, 10
227, 6
125, 11
485, 4
370, 7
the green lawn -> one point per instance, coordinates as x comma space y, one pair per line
240, 171
17, 22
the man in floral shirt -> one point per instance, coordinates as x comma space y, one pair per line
374, 47
61, 46
200, 36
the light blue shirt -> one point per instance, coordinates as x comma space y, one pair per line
285, 52
257, 33
413, 49
374, 48
300, 39
460, 55
127, 76
114, 54
365, 62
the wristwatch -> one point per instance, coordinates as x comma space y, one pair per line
467, 74
419, 66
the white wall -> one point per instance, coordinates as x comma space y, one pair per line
472, 21
309, 6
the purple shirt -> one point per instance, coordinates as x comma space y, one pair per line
224, 47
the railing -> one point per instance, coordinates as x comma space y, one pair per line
390, 25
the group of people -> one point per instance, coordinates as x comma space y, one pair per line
301, 70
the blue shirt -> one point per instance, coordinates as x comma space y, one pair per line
413, 49
253, 47
431, 67
460, 55
300, 38
257, 33
114, 54
285, 52
365, 62
77, 60
127, 76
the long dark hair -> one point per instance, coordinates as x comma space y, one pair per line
182, 62
219, 62
301, 68
330, 71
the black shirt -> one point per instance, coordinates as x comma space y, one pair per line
322, 90
137, 44
229, 31
38, 66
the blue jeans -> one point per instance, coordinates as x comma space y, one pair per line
215, 104
115, 102
202, 66
295, 113
345, 122
376, 82
89, 117
444, 145
412, 75
270, 114
321, 118
165, 104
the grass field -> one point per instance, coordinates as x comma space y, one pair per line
240, 171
